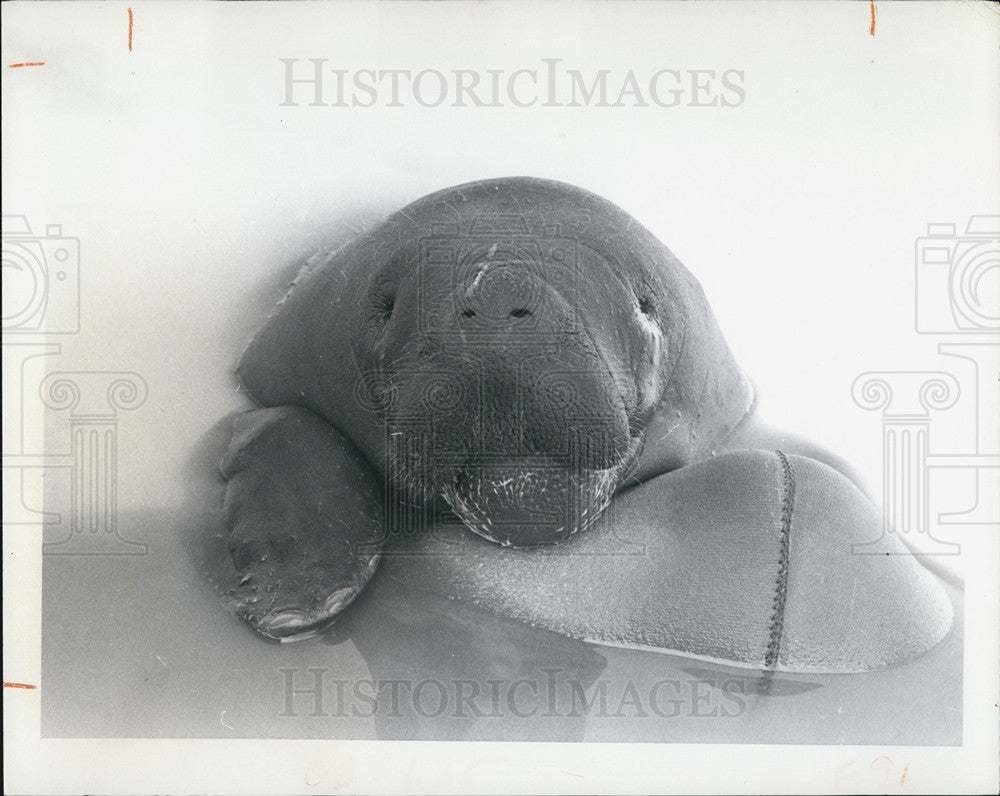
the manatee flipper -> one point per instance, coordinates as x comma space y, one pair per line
303, 512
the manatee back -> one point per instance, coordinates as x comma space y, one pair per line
753, 558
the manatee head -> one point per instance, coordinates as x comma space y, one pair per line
516, 347
522, 368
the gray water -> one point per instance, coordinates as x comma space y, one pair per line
141, 646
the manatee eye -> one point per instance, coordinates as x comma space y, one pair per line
646, 305
387, 306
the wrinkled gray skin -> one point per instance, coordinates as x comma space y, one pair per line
532, 336
517, 349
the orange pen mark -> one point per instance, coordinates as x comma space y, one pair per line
32, 63
19, 685
871, 30
902, 779
130, 21
313, 783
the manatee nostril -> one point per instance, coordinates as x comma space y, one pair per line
520, 312
468, 313
646, 305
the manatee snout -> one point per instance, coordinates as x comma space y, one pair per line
525, 446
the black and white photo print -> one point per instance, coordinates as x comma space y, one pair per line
471, 398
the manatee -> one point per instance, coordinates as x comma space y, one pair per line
514, 394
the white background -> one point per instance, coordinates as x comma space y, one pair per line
193, 192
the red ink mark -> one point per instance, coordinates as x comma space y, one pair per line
871, 30
19, 685
130, 30
902, 779
32, 63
